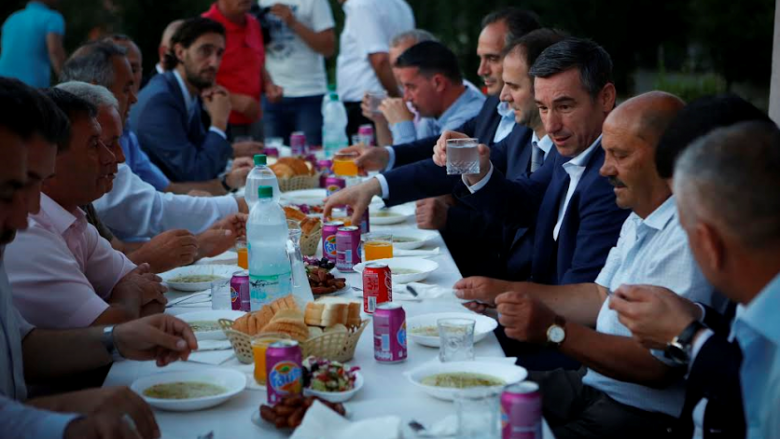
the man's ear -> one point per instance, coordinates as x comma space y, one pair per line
712, 246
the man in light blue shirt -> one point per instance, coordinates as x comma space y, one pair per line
31, 44
432, 83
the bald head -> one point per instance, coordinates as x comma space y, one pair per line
165, 42
646, 116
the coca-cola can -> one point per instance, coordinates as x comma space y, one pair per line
521, 411
298, 143
329, 230
334, 184
284, 370
377, 286
390, 333
239, 292
347, 248
365, 223
366, 134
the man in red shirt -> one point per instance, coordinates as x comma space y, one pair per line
242, 71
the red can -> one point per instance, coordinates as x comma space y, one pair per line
377, 286
284, 370
521, 411
334, 184
365, 223
298, 143
347, 248
239, 292
329, 230
366, 134
390, 333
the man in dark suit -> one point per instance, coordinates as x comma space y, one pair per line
187, 143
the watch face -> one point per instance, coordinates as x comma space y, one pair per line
556, 334
677, 353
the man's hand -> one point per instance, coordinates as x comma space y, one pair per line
236, 178
104, 425
214, 242
431, 213
358, 197
484, 165
168, 250
247, 150
482, 289
655, 315
236, 223
368, 111
138, 288
440, 149
523, 317
395, 111
216, 100
273, 92
284, 13
370, 158
161, 337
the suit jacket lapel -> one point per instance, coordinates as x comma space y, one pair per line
548, 216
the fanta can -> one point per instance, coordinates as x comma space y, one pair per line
284, 370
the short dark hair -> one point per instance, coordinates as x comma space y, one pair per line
431, 58
592, 61
189, 31
19, 112
698, 118
72, 106
534, 43
55, 126
93, 63
518, 21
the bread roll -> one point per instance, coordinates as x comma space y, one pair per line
282, 170
315, 331
310, 225
240, 324
292, 212
298, 165
293, 327
313, 315
286, 302
353, 315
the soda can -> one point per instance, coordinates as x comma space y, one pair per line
521, 411
284, 370
298, 143
239, 292
365, 223
347, 248
271, 151
366, 134
390, 333
329, 230
323, 165
334, 184
377, 286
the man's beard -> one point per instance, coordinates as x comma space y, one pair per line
196, 81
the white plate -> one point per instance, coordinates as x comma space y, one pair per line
233, 381
392, 215
347, 288
223, 271
212, 316
267, 426
424, 267
312, 197
421, 237
338, 396
510, 374
484, 326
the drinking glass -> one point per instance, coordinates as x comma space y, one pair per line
478, 413
375, 100
456, 338
462, 156
344, 164
341, 214
378, 245
259, 345
220, 294
243, 253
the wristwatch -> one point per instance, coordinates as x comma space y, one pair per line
225, 185
556, 333
679, 349
107, 339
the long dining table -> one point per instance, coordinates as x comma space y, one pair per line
386, 391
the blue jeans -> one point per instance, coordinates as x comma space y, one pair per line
294, 114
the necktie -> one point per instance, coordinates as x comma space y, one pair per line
537, 157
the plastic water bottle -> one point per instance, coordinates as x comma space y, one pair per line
269, 265
261, 175
334, 126
326, 96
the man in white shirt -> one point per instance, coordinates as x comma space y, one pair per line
363, 63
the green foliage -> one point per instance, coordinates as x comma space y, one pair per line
690, 87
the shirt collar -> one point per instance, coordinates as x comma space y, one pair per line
159, 68
580, 160
545, 144
58, 217
661, 216
462, 100
505, 111
188, 100
761, 313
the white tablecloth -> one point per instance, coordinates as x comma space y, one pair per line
386, 392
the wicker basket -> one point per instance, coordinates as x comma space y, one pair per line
334, 346
310, 242
299, 182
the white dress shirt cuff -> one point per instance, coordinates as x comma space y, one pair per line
219, 131
391, 159
703, 311
698, 344
385, 187
480, 184
226, 205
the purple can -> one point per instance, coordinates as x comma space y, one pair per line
329, 230
347, 248
365, 223
239, 292
366, 134
271, 151
283, 370
390, 333
298, 143
521, 411
334, 184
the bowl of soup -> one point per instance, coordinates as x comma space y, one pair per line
445, 380
410, 239
190, 390
423, 330
197, 277
405, 270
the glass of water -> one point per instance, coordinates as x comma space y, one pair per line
462, 156
478, 413
456, 338
375, 100
220, 294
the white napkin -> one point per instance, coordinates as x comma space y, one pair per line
446, 427
320, 422
417, 252
424, 291
214, 358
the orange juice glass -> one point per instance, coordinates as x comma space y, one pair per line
259, 346
378, 246
344, 165
340, 214
243, 254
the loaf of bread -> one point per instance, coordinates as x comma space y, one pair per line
254, 322
287, 167
290, 324
329, 311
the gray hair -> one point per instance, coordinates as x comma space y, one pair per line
732, 176
93, 63
416, 35
96, 95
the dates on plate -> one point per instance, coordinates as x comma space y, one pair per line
289, 412
322, 282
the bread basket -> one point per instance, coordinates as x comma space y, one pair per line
310, 241
299, 182
334, 346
